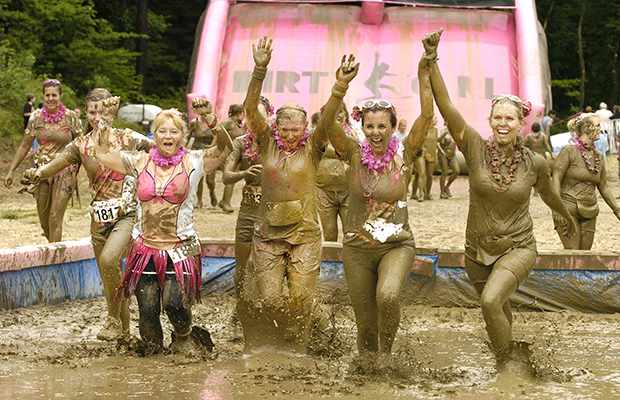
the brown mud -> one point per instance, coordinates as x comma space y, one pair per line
441, 353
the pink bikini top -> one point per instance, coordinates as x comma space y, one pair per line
175, 191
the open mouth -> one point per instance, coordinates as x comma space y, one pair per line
376, 142
503, 132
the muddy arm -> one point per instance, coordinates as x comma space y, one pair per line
552, 198
109, 157
255, 120
327, 123
422, 124
606, 192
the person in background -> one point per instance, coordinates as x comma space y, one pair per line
163, 265
500, 248
425, 166
113, 206
314, 119
578, 172
234, 126
401, 133
53, 127
545, 124
200, 137
30, 99
446, 154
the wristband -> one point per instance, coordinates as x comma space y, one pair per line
212, 125
339, 90
259, 73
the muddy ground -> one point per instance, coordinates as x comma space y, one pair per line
51, 351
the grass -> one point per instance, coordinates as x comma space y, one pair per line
17, 214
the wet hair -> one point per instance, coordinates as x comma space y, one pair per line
94, 96
172, 114
235, 109
535, 127
52, 83
378, 108
30, 96
289, 111
583, 124
507, 99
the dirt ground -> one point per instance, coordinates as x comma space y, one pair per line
440, 353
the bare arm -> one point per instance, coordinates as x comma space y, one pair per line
606, 192
547, 145
20, 154
255, 120
552, 198
46, 171
327, 124
456, 122
559, 169
422, 124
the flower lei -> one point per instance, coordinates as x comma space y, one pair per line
53, 118
164, 162
597, 158
373, 163
496, 161
252, 151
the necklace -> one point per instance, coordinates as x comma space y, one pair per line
53, 118
164, 162
496, 161
597, 158
373, 163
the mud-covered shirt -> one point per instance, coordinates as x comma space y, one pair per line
498, 222
288, 209
203, 138
579, 185
537, 144
52, 138
377, 201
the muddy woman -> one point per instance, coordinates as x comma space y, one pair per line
579, 170
287, 236
378, 245
500, 249
450, 169
200, 137
113, 206
163, 258
53, 126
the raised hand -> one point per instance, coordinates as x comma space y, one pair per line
431, 41
262, 52
348, 70
204, 108
110, 107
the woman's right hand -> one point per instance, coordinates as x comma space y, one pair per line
8, 180
348, 70
262, 52
110, 107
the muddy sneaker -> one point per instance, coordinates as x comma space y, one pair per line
213, 199
198, 204
225, 207
112, 330
444, 195
197, 342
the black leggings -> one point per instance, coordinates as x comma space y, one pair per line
150, 298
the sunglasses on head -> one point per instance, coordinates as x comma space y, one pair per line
510, 97
380, 103
53, 81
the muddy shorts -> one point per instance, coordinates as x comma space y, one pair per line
330, 201
518, 261
244, 231
304, 258
100, 232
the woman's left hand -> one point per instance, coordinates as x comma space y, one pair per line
110, 107
204, 108
570, 228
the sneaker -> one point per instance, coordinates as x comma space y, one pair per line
213, 199
225, 207
199, 204
112, 330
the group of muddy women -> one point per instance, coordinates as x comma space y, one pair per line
144, 194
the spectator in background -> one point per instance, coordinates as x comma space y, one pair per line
546, 122
604, 115
401, 133
588, 109
234, 126
30, 99
314, 119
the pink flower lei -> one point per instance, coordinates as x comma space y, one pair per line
373, 163
496, 161
164, 162
53, 118
597, 158
252, 151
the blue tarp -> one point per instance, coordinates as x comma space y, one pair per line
550, 290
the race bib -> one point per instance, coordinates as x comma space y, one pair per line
251, 195
107, 210
185, 251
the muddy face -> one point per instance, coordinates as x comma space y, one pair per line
292, 130
168, 138
52, 98
378, 129
93, 112
505, 123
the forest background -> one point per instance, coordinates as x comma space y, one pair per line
141, 50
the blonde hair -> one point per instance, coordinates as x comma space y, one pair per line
582, 124
174, 115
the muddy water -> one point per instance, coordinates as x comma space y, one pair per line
51, 352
